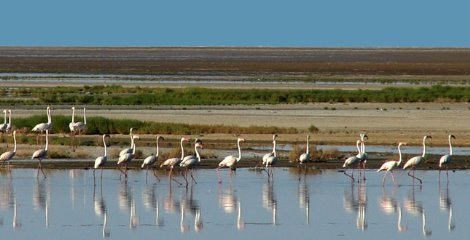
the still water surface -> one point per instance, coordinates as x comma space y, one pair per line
323, 205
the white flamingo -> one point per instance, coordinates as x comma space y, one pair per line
72, 123
9, 126
352, 160
41, 154
128, 150
362, 155
272, 153
3, 126
231, 161
416, 160
172, 162
190, 161
271, 160
305, 157
7, 156
151, 160
101, 160
80, 126
389, 166
41, 127
445, 160
126, 158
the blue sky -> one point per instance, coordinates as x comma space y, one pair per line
293, 23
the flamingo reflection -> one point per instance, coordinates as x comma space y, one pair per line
416, 208
16, 222
445, 204
188, 203
389, 205
41, 199
304, 199
269, 200
357, 202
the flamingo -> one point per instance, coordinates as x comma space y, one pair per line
445, 160
352, 160
126, 158
267, 155
72, 126
192, 160
151, 160
391, 165
41, 127
128, 150
9, 126
81, 126
7, 156
4, 124
271, 160
41, 154
101, 160
414, 161
305, 157
362, 155
231, 161
172, 162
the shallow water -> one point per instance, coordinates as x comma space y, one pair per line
67, 205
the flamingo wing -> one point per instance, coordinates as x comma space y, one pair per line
6, 156
41, 153
100, 161
388, 166
305, 157
445, 159
150, 160
350, 160
228, 161
412, 162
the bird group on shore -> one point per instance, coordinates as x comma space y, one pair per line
188, 163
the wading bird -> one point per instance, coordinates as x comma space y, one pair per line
41, 127
7, 156
231, 161
416, 160
445, 160
101, 160
352, 160
271, 160
41, 154
272, 153
190, 161
172, 162
391, 165
151, 160
127, 157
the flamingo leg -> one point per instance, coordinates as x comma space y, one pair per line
192, 177
40, 167
393, 179
383, 178
218, 175
349, 175
94, 178
155, 174
413, 176
171, 178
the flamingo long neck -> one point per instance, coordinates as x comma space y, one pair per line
156, 154
182, 148
9, 117
14, 140
399, 155
450, 146
73, 115
49, 120
5, 117
47, 140
358, 148
84, 115
274, 148
133, 147
308, 140
424, 147
197, 153
239, 151
104, 144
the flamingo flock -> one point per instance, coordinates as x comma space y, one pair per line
188, 163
